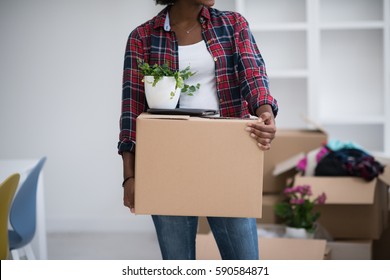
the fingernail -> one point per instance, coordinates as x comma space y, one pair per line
248, 129
132, 210
253, 135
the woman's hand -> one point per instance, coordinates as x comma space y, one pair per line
128, 194
263, 131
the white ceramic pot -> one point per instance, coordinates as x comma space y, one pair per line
292, 232
163, 95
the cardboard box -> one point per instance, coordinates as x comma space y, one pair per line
286, 144
381, 247
269, 202
203, 226
350, 250
354, 208
197, 166
292, 249
269, 248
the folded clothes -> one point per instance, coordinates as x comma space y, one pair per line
349, 162
338, 158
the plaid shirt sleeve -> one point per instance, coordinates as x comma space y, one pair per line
133, 97
252, 71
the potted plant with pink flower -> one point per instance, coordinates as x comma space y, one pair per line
297, 210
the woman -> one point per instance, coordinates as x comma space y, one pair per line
220, 48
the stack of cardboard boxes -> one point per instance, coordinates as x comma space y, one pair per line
355, 215
354, 220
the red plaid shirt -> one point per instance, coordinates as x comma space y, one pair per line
241, 79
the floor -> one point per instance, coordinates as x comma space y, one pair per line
103, 246
115, 245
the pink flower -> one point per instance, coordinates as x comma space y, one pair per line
288, 191
298, 208
301, 166
304, 190
321, 198
297, 201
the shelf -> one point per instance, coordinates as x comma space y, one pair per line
291, 95
352, 25
293, 26
329, 60
226, 5
265, 11
284, 50
352, 120
351, 78
369, 136
351, 10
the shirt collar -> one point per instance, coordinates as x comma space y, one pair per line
162, 18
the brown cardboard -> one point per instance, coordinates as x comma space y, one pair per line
385, 176
269, 248
286, 144
203, 225
354, 209
292, 249
197, 166
268, 216
350, 250
381, 247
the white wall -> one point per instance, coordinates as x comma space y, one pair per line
60, 89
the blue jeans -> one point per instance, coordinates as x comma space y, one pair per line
236, 237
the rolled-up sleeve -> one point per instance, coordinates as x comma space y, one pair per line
133, 96
252, 72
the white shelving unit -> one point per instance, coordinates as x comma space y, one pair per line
328, 60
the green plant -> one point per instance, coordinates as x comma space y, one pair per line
298, 210
160, 71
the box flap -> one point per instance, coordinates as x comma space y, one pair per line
340, 190
314, 124
288, 164
164, 117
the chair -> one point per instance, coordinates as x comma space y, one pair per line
7, 192
23, 214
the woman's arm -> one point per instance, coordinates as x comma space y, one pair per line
128, 179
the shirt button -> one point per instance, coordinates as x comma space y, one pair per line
215, 59
220, 100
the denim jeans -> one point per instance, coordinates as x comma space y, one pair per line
236, 237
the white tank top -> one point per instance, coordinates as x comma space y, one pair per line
200, 61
